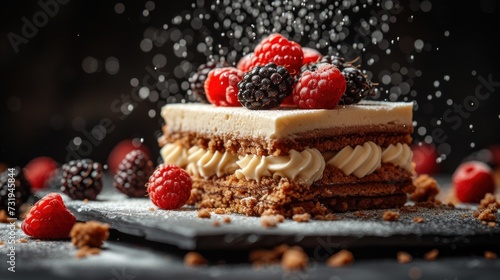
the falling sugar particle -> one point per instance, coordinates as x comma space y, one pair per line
119, 8
77, 141
472, 144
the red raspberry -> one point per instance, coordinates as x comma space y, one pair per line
310, 55
49, 218
245, 63
278, 49
221, 86
424, 157
169, 186
39, 170
319, 89
472, 180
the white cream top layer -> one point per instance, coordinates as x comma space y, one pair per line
283, 122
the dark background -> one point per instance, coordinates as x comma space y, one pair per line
47, 98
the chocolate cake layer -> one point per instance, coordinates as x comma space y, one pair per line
334, 192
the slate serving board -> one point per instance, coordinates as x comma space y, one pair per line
183, 228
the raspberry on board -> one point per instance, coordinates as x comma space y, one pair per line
221, 86
278, 49
472, 180
169, 187
39, 170
49, 218
321, 88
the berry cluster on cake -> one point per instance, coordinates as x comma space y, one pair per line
288, 131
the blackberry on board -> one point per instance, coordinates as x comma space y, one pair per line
14, 179
82, 179
197, 79
133, 174
265, 87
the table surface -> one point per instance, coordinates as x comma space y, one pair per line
132, 254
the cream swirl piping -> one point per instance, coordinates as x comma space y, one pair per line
399, 155
173, 153
360, 161
206, 164
306, 166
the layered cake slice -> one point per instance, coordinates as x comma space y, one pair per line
289, 161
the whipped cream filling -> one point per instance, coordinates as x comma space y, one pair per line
306, 166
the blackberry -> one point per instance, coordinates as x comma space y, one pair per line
133, 174
337, 61
197, 79
14, 179
358, 86
265, 87
82, 179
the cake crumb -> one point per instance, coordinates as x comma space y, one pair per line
492, 224
475, 214
85, 201
487, 216
302, 218
219, 211
152, 209
89, 234
360, 214
22, 240
204, 213
426, 189
341, 258
404, 257
298, 210
391, 215
4, 218
227, 220
294, 258
418, 220
327, 217
490, 255
261, 257
268, 221
2, 243
86, 251
489, 202
464, 215
194, 259
216, 224
431, 255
